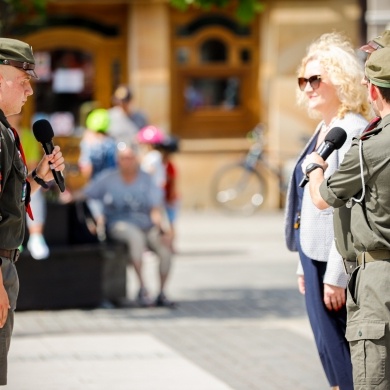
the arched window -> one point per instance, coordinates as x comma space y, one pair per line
214, 76
213, 50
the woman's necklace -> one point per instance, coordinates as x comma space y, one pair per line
325, 128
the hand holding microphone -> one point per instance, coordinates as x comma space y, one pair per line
44, 134
334, 140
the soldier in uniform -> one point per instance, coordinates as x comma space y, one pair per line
16, 70
342, 215
362, 183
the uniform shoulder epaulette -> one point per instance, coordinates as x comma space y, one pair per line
370, 133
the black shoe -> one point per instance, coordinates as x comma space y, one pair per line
163, 301
124, 303
143, 299
106, 304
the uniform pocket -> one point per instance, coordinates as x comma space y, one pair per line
368, 350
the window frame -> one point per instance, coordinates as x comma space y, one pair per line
215, 122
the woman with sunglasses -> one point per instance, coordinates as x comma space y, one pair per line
329, 87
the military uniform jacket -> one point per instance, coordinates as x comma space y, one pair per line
13, 191
370, 218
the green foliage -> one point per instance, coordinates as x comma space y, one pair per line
26, 6
10, 10
246, 10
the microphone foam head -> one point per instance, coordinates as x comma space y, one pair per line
337, 136
43, 131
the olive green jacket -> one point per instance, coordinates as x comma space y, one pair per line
370, 218
12, 205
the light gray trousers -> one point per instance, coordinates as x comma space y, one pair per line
138, 241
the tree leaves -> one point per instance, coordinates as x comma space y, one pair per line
11, 10
246, 10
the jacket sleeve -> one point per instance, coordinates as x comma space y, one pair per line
335, 273
300, 268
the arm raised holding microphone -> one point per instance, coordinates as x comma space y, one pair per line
50, 163
316, 177
44, 134
334, 140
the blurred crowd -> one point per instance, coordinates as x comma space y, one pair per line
130, 189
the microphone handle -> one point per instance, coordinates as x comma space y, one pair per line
324, 150
304, 181
58, 177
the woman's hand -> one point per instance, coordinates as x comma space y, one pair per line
301, 284
334, 297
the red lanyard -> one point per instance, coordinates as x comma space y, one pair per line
21, 152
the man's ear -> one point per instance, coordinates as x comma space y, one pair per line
373, 91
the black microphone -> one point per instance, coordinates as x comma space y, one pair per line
44, 134
334, 140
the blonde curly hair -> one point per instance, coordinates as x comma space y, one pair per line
337, 57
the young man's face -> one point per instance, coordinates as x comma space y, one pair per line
15, 88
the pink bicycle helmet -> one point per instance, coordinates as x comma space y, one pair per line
150, 135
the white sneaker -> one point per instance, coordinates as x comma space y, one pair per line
37, 247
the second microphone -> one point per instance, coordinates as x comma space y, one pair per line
334, 140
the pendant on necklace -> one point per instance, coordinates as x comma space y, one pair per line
326, 128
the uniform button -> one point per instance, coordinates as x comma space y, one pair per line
360, 333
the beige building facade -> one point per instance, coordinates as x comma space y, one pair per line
246, 74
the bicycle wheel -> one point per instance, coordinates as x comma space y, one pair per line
238, 189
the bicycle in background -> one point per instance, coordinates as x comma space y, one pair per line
240, 187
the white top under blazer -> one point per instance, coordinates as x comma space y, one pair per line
317, 234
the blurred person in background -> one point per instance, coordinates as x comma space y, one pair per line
97, 148
132, 205
125, 120
97, 153
168, 147
149, 138
329, 80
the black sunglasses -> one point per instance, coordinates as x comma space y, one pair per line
314, 82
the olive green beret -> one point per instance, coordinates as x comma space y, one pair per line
18, 54
378, 67
378, 42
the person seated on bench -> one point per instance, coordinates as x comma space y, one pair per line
132, 207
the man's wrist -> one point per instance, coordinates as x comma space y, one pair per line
312, 167
38, 179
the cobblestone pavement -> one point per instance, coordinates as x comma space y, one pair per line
240, 324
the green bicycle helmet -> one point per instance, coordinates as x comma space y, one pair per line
98, 120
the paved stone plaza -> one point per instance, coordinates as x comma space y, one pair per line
240, 324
